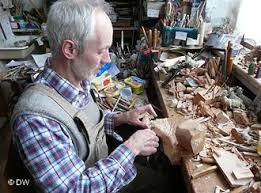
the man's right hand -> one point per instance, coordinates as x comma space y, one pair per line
143, 142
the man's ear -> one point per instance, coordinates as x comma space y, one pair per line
68, 49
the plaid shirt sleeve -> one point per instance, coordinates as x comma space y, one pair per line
48, 153
109, 125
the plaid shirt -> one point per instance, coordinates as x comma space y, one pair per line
48, 152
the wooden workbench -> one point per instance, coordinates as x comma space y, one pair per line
253, 84
204, 184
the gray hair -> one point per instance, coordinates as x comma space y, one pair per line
72, 20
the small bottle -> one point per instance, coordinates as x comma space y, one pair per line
259, 144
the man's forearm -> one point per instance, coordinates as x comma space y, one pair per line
120, 118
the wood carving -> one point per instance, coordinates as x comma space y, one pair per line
240, 117
204, 110
166, 133
146, 117
191, 136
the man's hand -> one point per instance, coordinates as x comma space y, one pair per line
133, 117
143, 142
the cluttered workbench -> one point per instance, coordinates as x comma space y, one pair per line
201, 184
209, 126
213, 162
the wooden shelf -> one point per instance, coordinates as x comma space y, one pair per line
125, 28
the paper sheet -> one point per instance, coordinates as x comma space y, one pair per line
13, 63
40, 59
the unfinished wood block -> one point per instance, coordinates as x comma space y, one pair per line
165, 132
222, 118
240, 117
162, 126
204, 110
207, 160
189, 105
240, 189
189, 90
243, 173
188, 96
256, 127
179, 105
146, 119
172, 89
229, 162
225, 129
181, 95
191, 136
203, 171
239, 139
180, 87
256, 187
202, 96
215, 111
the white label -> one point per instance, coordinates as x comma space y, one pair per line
181, 35
153, 13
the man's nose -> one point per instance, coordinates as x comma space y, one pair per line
106, 57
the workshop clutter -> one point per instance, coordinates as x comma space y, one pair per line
182, 23
120, 95
170, 34
102, 81
219, 124
116, 90
136, 83
152, 37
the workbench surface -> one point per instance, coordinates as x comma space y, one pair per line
204, 184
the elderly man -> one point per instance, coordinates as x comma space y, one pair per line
58, 129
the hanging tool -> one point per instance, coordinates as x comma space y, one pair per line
145, 35
229, 59
168, 8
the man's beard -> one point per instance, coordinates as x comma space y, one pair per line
82, 71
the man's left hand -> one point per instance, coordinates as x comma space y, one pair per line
133, 117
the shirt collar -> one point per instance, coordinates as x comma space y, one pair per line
64, 87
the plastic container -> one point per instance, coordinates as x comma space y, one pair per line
126, 93
135, 83
167, 36
114, 89
102, 82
